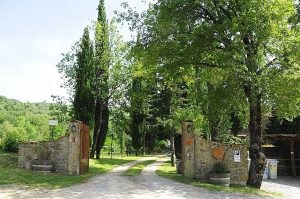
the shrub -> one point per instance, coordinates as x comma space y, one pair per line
11, 140
220, 167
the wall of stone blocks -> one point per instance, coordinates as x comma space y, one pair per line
52, 152
198, 159
204, 160
63, 154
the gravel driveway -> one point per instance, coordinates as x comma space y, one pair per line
112, 185
288, 185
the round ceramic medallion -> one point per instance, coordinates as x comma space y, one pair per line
218, 152
188, 141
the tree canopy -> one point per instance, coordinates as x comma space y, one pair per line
241, 56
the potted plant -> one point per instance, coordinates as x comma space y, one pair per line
220, 174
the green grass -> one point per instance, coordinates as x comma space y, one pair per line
10, 174
165, 170
137, 169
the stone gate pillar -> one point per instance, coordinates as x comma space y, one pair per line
188, 148
74, 148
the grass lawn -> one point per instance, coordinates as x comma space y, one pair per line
137, 169
10, 174
167, 171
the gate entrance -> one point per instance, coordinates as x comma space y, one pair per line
84, 148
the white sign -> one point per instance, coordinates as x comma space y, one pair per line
237, 156
53, 122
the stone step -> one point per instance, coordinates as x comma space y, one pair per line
43, 168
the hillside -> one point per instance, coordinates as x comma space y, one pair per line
22, 122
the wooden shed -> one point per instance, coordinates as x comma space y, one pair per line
294, 154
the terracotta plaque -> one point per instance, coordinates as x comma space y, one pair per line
218, 152
188, 141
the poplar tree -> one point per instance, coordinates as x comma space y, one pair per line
101, 81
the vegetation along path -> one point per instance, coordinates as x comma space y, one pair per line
115, 185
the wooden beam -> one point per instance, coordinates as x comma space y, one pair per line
284, 137
292, 147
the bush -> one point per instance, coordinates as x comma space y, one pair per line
162, 144
220, 167
11, 140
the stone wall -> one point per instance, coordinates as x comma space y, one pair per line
204, 160
63, 154
198, 160
53, 152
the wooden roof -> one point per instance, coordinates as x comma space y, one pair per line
287, 137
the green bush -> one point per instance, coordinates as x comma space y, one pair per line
220, 167
11, 140
160, 144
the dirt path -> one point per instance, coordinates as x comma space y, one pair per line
112, 185
285, 184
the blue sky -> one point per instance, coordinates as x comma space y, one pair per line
33, 35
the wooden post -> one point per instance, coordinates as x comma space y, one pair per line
292, 147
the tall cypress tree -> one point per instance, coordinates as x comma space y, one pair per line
137, 124
101, 86
83, 96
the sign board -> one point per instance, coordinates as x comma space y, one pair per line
53, 122
237, 156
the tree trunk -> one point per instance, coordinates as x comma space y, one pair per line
177, 146
258, 160
236, 124
149, 140
212, 118
172, 151
103, 131
98, 122
122, 144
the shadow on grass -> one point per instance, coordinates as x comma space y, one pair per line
167, 171
10, 174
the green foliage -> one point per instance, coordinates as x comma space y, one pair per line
161, 144
60, 111
22, 122
278, 125
106, 84
11, 140
84, 100
236, 57
220, 167
228, 138
137, 112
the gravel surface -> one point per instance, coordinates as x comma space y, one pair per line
289, 186
112, 185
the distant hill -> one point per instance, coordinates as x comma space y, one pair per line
23, 121
22, 108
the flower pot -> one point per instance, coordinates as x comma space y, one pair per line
220, 178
